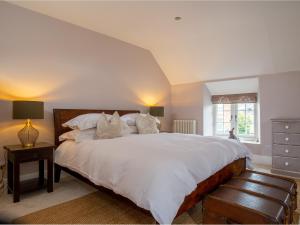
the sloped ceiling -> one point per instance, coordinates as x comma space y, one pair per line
214, 40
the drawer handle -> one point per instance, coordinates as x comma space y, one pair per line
286, 163
286, 139
287, 127
286, 151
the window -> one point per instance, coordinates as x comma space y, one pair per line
240, 116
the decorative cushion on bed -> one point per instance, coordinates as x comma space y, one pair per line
146, 124
85, 121
111, 128
78, 135
132, 130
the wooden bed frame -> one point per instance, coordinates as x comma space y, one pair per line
233, 169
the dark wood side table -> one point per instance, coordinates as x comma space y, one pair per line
17, 154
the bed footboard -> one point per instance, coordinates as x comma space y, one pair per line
210, 184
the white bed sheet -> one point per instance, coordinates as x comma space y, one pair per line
155, 171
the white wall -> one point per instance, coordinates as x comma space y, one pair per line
207, 112
279, 98
66, 66
187, 103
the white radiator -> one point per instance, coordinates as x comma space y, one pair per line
184, 126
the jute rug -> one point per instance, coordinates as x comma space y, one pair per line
297, 212
103, 208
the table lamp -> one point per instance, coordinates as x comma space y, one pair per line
157, 111
28, 110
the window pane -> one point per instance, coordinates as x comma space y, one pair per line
250, 107
227, 127
250, 122
220, 117
227, 107
250, 125
219, 128
220, 107
246, 119
220, 113
241, 123
227, 116
223, 119
241, 106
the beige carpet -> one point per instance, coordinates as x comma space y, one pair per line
104, 208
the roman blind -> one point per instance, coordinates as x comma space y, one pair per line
234, 98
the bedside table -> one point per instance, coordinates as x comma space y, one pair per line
17, 154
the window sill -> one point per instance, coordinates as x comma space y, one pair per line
241, 140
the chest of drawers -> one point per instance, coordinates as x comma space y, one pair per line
286, 147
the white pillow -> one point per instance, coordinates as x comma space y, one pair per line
130, 118
111, 128
83, 122
78, 135
146, 124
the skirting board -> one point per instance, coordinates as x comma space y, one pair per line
262, 160
286, 173
29, 176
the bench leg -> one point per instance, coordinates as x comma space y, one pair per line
57, 171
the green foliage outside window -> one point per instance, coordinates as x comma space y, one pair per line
245, 123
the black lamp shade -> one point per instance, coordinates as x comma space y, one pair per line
28, 110
158, 111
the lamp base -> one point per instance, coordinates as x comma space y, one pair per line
28, 135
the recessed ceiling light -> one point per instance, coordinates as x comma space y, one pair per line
177, 18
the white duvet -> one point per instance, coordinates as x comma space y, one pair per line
155, 171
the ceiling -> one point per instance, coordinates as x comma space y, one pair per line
214, 40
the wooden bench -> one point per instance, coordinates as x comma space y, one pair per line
227, 205
260, 190
252, 198
271, 180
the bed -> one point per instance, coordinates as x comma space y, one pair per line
186, 197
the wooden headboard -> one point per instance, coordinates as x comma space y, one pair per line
63, 115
